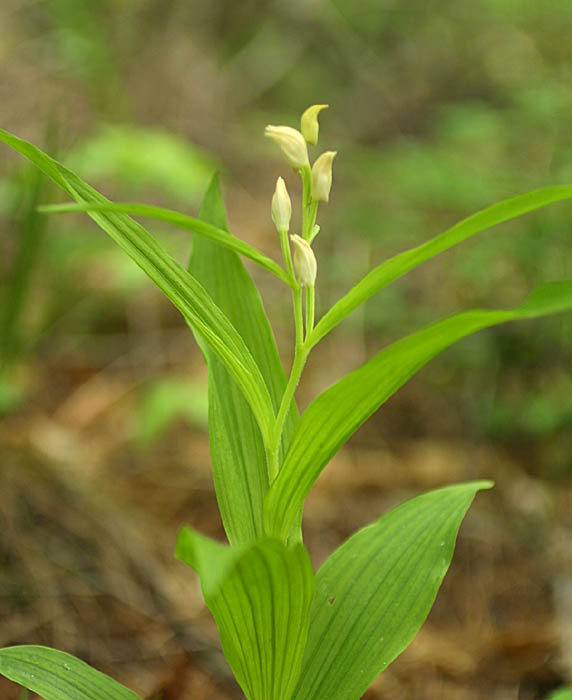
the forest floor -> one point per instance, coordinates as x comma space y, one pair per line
89, 520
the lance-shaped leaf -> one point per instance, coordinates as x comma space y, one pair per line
202, 228
374, 593
55, 675
260, 597
395, 267
237, 450
338, 412
184, 291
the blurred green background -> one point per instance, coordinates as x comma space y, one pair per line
438, 108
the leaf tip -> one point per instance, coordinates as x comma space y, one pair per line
484, 484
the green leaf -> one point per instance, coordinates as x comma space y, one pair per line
144, 157
56, 675
339, 411
201, 228
237, 451
165, 400
374, 593
561, 694
260, 597
395, 267
184, 291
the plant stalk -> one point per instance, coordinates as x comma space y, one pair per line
310, 310
300, 357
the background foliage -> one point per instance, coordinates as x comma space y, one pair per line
437, 109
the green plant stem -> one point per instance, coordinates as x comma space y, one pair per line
298, 321
287, 255
306, 174
272, 462
310, 310
300, 357
313, 211
302, 348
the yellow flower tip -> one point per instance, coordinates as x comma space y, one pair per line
322, 176
292, 144
304, 261
281, 207
309, 123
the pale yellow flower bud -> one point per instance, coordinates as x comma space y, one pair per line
281, 207
291, 143
322, 176
309, 123
304, 261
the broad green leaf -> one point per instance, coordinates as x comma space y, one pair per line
374, 593
338, 412
260, 597
184, 291
201, 228
237, 451
55, 675
395, 267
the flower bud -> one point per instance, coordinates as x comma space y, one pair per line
291, 143
281, 207
309, 123
304, 261
322, 176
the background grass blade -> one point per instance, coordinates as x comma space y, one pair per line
31, 232
338, 412
55, 675
375, 591
397, 266
237, 450
260, 596
198, 226
184, 291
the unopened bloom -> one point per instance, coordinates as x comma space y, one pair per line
281, 207
322, 176
291, 143
304, 261
309, 123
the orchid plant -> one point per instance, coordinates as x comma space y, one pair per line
286, 630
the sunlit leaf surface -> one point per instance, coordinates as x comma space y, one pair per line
374, 593
56, 675
260, 596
